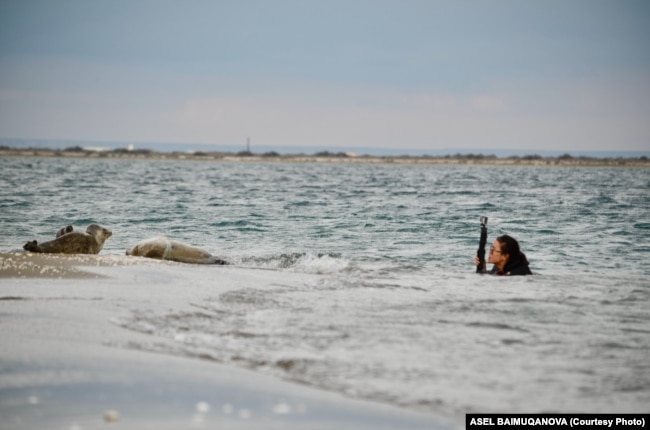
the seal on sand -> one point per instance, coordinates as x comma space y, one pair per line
69, 241
163, 248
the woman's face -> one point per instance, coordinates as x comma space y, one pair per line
496, 255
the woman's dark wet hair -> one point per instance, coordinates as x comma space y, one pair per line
510, 246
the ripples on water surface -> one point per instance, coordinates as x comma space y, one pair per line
396, 314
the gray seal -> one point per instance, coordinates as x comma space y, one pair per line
69, 241
163, 248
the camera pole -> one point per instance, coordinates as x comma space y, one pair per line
481, 246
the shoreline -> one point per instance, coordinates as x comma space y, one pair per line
455, 160
67, 362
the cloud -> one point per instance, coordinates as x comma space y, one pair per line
488, 104
75, 99
407, 120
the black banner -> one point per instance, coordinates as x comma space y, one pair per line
557, 421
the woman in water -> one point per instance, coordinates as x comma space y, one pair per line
508, 260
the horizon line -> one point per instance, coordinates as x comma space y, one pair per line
189, 147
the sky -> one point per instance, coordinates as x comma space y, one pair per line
568, 75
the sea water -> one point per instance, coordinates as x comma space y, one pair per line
392, 309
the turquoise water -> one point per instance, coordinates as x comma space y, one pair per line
398, 314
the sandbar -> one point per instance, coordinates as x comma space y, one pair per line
65, 363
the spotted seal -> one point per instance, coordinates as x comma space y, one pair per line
163, 248
69, 241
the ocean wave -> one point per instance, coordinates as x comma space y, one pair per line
297, 262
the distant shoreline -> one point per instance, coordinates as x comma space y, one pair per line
327, 157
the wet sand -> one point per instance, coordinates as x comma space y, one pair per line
65, 362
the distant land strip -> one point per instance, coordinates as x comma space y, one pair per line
328, 157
